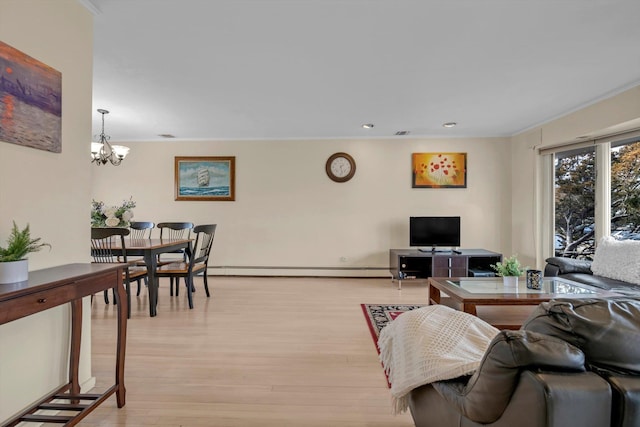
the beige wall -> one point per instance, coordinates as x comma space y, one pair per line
288, 213
49, 191
617, 113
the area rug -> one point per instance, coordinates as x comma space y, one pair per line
378, 315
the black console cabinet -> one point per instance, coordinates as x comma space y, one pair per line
415, 264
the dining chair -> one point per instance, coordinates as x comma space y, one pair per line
108, 246
140, 230
174, 230
197, 261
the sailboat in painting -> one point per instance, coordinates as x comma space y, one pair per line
203, 177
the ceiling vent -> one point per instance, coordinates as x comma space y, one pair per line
402, 132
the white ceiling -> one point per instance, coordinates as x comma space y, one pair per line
281, 69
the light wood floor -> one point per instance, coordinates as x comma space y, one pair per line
259, 352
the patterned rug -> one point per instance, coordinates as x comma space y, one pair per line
378, 315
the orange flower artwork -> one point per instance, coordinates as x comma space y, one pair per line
439, 170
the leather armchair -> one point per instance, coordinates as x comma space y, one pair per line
525, 379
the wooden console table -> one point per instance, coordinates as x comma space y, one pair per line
52, 287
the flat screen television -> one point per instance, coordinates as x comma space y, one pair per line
434, 231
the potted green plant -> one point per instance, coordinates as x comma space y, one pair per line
510, 269
13, 261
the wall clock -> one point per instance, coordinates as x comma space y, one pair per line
340, 167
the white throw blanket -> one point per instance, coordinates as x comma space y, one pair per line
430, 344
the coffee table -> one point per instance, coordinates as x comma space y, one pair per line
469, 292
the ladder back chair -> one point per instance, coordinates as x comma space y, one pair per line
105, 248
197, 262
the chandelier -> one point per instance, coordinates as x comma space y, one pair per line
103, 152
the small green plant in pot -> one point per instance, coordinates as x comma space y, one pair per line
13, 262
20, 244
509, 267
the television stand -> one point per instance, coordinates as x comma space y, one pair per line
434, 250
424, 263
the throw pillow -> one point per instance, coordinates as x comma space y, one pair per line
617, 259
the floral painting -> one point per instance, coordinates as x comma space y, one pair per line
30, 101
205, 178
439, 170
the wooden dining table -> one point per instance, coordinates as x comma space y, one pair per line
149, 249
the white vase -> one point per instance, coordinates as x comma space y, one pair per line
14, 271
510, 282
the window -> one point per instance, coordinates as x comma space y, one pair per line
595, 192
625, 189
574, 197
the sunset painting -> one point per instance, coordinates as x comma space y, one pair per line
30, 101
439, 170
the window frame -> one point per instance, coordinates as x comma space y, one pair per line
602, 214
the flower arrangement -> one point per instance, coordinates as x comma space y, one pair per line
112, 216
510, 267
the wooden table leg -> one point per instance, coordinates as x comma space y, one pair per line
121, 343
152, 264
434, 294
469, 308
74, 356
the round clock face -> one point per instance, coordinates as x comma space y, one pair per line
341, 167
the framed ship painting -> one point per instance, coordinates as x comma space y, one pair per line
439, 170
30, 101
205, 178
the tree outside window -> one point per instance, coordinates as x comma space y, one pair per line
575, 176
625, 190
575, 186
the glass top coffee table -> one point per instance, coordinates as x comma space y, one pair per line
469, 292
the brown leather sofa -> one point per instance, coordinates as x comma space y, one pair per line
573, 363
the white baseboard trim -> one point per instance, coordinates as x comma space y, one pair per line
369, 272
88, 385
